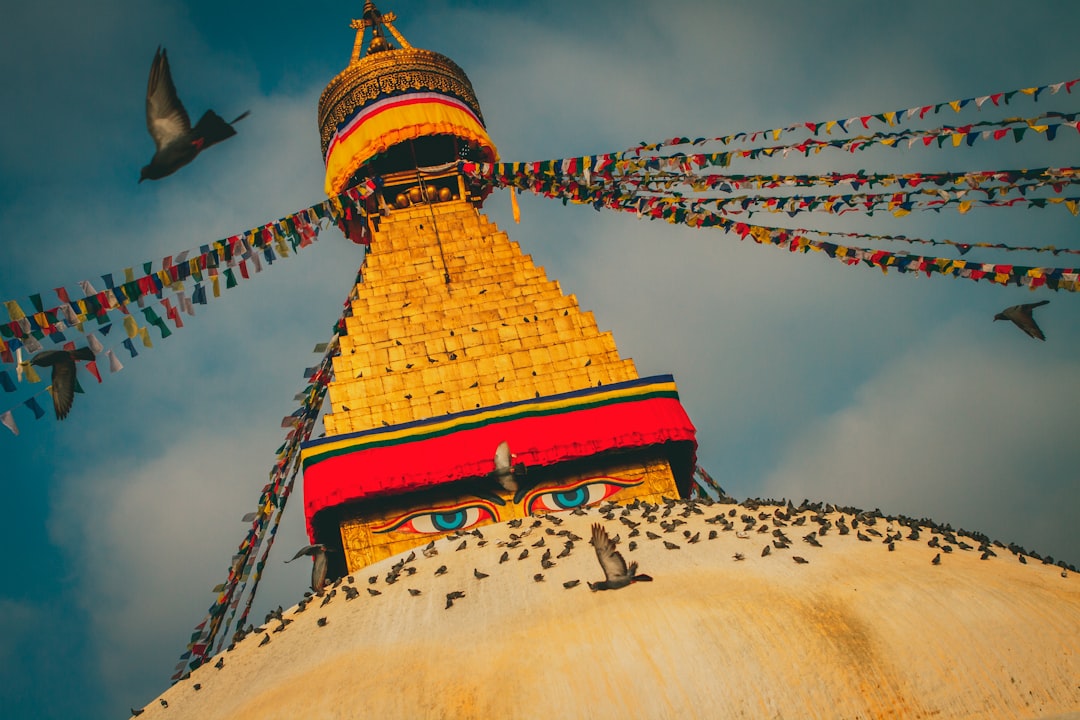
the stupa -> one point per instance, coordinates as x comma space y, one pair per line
461, 591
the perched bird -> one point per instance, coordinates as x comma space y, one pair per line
936, 560
220, 663
452, 596
414, 592
616, 572
571, 584
265, 640
479, 575
505, 470
136, 713
176, 142
440, 570
318, 570
62, 363
1021, 317
321, 622
799, 560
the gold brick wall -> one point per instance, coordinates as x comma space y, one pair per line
366, 540
417, 347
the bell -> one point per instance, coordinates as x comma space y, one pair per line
401, 201
444, 194
415, 195
432, 193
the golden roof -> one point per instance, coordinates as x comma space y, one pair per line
383, 70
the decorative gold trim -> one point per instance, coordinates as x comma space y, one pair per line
388, 72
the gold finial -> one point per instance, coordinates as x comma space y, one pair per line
375, 20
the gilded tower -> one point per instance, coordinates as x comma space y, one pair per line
458, 343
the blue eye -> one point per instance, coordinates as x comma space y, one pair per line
570, 499
584, 493
436, 521
448, 521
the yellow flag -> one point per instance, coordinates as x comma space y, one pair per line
964, 206
215, 281
14, 311
130, 326
144, 335
514, 206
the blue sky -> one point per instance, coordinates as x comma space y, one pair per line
805, 378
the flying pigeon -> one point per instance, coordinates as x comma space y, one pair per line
62, 363
616, 573
176, 142
505, 470
318, 570
1021, 317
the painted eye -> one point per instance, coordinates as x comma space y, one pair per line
576, 495
438, 521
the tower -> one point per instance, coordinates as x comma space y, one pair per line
457, 342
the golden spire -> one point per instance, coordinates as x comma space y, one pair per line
375, 20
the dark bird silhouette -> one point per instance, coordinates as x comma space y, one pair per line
220, 663
479, 575
265, 640
440, 570
571, 584
452, 596
62, 363
1021, 317
321, 622
318, 570
616, 572
176, 142
136, 713
414, 592
936, 560
799, 560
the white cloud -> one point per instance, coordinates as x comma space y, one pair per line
975, 430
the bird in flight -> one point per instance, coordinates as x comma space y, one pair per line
318, 570
1021, 317
176, 142
62, 363
616, 573
505, 470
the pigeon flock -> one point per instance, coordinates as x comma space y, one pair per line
545, 548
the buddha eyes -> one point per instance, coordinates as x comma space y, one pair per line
444, 519
575, 495
440, 520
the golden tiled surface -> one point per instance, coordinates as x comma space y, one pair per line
364, 545
417, 347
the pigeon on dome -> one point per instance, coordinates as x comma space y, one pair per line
176, 142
